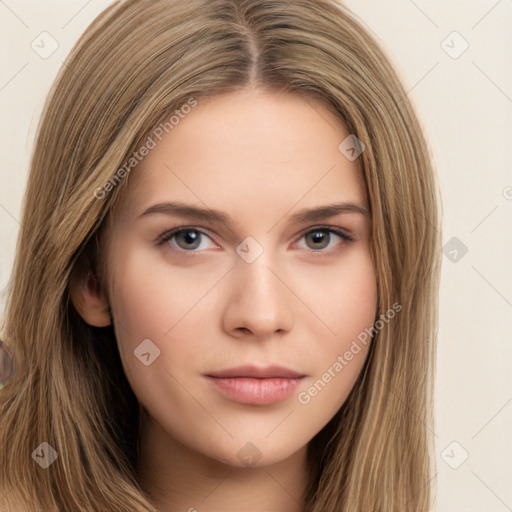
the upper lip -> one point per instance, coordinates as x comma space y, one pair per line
258, 372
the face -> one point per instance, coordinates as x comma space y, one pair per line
241, 276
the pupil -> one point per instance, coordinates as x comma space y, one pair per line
319, 238
190, 238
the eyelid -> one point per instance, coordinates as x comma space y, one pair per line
334, 229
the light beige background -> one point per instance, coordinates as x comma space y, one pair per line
465, 104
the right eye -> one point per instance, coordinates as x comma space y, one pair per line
187, 239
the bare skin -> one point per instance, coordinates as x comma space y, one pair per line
295, 295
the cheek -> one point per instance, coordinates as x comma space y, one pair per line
347, 306
150, 297
150, 310
356, 293
156, 302
344, 299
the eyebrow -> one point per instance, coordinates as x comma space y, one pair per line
216, 216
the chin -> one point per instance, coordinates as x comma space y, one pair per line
254, 454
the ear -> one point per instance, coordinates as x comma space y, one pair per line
88, 299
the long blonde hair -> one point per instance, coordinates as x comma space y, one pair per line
141, 60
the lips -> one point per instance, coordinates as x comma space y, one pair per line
266, 372
253, 385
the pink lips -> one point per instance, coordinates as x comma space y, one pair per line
256, 385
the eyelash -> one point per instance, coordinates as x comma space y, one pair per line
169, 235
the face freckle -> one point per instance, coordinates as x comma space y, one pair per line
243, 312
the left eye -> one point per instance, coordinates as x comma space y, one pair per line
323, 238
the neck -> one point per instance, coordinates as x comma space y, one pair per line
178, 478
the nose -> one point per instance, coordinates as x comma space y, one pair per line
258, 304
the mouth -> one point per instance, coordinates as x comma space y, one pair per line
256, 385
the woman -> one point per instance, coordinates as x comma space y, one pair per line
226, 281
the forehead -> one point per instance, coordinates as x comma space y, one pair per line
248, 148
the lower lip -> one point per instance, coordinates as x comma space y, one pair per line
246, 390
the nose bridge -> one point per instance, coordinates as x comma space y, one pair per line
257, 301
257, 279
252, 265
